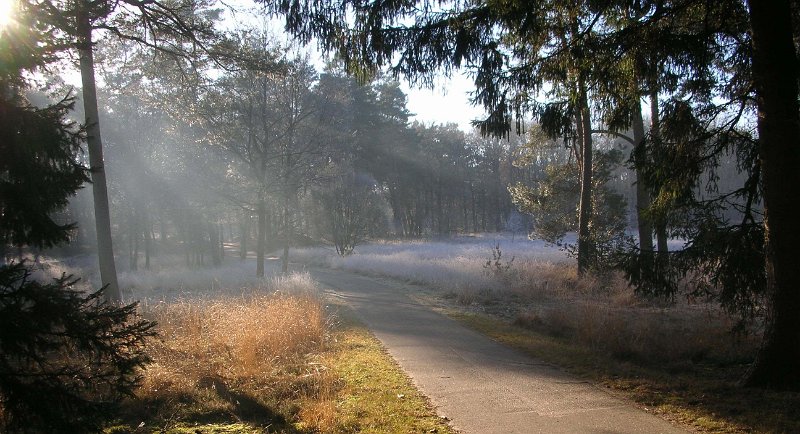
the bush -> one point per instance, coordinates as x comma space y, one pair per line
553, 205
65, 356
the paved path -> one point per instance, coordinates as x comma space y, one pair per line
479, 384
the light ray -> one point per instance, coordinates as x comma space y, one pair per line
6, 13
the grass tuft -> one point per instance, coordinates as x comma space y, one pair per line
247, 358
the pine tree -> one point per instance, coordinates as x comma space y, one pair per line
65, 355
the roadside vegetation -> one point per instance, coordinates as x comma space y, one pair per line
680, 358
268, 358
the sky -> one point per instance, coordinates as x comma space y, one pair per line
448, 102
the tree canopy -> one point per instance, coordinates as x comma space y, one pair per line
694, 55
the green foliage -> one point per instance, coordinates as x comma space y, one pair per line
39, 148
65, 356
39, 170
553, 204
723, 258
721, 262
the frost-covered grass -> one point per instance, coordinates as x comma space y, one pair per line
454, 265
540, 289
168, 278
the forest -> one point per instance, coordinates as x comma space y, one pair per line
654, 143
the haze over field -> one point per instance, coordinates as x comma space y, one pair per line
623, 178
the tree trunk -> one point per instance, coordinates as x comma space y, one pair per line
655, 133
148, 235
214, 243
102, 213
221, 241
261, 244
474, 213
130, 244
775, 71
133, 241
642, 192
286, 236
162, 227
245, 235
585, 204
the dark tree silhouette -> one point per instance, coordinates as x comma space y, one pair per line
65, 355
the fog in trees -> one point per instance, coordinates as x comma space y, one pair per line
220, 162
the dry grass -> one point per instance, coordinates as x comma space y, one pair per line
251, 358
272, 361
603, 313
239, 354
235, 339
540, 289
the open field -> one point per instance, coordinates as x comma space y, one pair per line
678, 358
455, 265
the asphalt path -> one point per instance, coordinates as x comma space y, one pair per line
480, 385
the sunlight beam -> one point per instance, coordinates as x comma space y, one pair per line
6, 13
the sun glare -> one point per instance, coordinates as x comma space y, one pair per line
6, 12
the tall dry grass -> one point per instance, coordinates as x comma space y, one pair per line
248, 358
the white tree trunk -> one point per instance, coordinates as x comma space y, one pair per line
585, 203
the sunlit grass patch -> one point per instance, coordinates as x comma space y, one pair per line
274, 361
251, 358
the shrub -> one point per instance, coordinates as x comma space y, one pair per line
65, 356
496, 266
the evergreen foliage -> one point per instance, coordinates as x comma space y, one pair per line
65, 356
553, 201
723, 258
39, 148
40, 171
